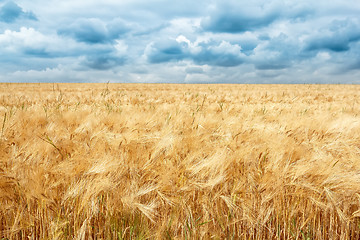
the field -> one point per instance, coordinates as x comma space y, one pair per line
158, 161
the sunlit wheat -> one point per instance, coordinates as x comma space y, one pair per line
138, 161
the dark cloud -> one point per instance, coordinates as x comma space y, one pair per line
214, 57
166, 51
10, 12
236, 23
333, 43
354, 66
273, 60
116, 28
268, 73
279, 52
94, 31
212, 53
87, 30
336, 37
140, 70
247, 46
194, 70
37, 52
103, 62
102, 57
347, 61
237, 17
272, 64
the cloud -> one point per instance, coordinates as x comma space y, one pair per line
10, 12
234, 22
108, 57
211, 53
141, 30
26, 41
117, 27
221, 54
336, 37
61, 73
165, 51
93, 31
103, 62
276, 53
238, 17
210, 41
248, 46
194, 70
48, 51
164, 10
29, 49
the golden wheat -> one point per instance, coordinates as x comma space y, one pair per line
142, 161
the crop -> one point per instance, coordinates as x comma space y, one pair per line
168, 161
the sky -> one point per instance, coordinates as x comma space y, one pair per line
158, 41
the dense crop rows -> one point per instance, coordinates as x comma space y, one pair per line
121, 161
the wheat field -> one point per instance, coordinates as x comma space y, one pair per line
167, 161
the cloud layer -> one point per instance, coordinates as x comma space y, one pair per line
10, 12
204, 41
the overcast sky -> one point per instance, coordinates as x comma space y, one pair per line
186, 41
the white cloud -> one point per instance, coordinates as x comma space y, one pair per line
182, 38
226, 48
323, 56
121, 47
194, 48
26, 37
28, 41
